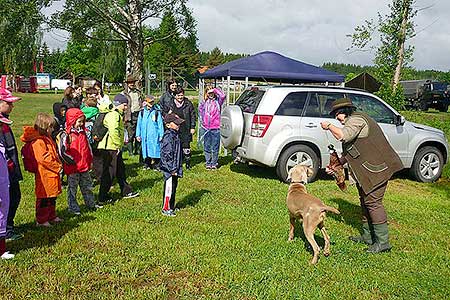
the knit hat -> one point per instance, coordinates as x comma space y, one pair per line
340, 103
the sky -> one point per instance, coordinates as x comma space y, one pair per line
312, 31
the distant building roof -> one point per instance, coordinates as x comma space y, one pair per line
202, 69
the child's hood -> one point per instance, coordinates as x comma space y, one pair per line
57, 109
29, 134
90, 111
103, 108
72, 115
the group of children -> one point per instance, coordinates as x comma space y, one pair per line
78, 140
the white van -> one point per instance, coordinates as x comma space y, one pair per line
60, 84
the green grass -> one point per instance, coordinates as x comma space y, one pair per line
229, 240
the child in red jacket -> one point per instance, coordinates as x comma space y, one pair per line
77, 146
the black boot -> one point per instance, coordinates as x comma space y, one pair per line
365, 237
188, 164
381, 243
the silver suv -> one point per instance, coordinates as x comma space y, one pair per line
279, 126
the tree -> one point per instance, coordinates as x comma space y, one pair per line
394, 30
180, 53
125, 19
19, 34
215, 58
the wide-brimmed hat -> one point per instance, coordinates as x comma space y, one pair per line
7, 96
173, 118
340, 103
131, 78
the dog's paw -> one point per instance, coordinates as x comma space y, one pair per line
290, 240
326, 254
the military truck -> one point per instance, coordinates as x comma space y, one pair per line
425, 94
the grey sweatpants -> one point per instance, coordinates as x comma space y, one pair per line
85, 182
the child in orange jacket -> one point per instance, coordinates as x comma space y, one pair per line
47, 176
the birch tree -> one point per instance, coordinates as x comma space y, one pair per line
126, 19
393, 30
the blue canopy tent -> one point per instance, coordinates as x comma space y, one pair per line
271, 66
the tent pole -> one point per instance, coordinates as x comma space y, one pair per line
246, 82
201, 88
225, 151
228, 89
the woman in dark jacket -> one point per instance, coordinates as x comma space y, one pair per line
167, 99
71, 98
184, 108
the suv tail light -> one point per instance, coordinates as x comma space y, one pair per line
260, 124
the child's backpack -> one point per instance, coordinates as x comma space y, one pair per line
63, 140
29, 160
99, 130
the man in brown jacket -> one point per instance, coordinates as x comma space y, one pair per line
372, 162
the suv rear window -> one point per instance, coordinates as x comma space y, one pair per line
249, 100
292, 105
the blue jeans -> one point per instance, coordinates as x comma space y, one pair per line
85, 182
211, 147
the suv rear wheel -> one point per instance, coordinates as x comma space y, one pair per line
427, 165
294, 155
443, 107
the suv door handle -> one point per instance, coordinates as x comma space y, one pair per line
311, 125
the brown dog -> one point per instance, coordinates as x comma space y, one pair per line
301, 205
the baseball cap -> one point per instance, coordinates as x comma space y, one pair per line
7, 96
120, 99
173, 118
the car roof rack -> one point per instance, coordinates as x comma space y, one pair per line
312, 86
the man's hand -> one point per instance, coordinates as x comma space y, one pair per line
138, 138
325, 125
192, 131
329, 171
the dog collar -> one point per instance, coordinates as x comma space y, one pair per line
301, 182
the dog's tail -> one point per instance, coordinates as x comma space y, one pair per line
332, 209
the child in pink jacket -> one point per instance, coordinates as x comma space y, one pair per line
209, 110
4, 196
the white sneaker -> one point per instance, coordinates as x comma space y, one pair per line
7, 255
46, 224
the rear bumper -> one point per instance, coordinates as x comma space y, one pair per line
258, 152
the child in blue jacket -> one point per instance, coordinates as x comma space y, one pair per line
171, 160
149, 132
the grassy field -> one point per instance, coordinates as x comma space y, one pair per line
228, 241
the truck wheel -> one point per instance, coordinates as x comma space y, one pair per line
294, 155
423, 106
443, 108
427, 165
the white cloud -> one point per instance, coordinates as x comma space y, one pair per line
313, 31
